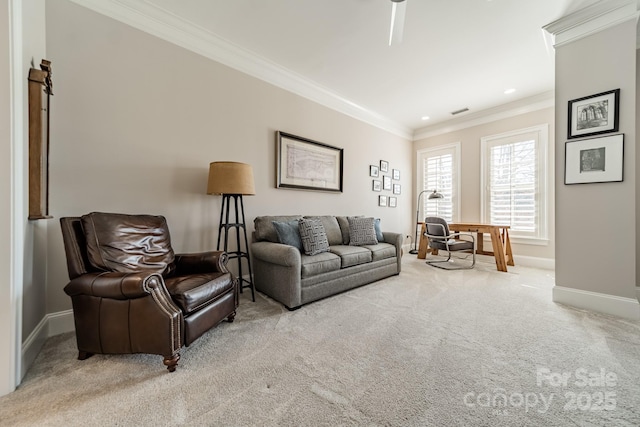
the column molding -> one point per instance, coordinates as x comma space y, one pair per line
590, 20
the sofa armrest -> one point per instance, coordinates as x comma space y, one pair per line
115, 285
277, 271
396, 240
277, 253
202, 262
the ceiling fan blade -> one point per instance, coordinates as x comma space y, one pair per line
398, 11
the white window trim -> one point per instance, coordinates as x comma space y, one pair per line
455, 146
543, 163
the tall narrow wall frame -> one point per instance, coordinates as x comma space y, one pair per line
40, 92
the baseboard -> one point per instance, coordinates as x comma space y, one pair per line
536, 262
61, 322
50, 325
628, 308
33, 344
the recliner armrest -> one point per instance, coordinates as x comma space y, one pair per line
202, 262
115, 285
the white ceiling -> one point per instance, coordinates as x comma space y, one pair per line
455, 53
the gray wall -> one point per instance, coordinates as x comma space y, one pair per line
596, 223
137, 121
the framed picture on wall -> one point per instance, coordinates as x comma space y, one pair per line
393, 202
384, 166
377, 185
397, 188
396, 174
386, 182
373, 170
307, 165
594, 160
594, 114
382, 200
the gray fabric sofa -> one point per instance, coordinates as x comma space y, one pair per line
293, 278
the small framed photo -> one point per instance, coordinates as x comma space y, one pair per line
393, 202
594, 114
384, 166
373, 171
386, 182
382, 200
396, 174
377, 185
594, 160
397, 188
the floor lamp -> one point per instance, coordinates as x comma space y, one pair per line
433, 195
233, 180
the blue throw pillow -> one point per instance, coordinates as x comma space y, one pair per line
376, 226
288, 233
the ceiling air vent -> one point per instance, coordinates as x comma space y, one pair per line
463, 110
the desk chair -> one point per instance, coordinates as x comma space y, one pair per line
440, 238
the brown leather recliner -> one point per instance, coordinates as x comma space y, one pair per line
132, 294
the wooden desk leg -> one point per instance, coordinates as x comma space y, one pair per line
498, 250
480, 242
424, 242
507, 248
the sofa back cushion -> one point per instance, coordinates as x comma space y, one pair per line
264, 229
128, 243
343, 222
331, 228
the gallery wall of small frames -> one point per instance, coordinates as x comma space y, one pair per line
385, 180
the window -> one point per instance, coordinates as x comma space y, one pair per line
438, 170
514, 182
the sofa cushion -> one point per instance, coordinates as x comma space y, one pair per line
362, 231
128, 243
313, 236
331, 227
193, 291
381, 251
318, 264
264, 229
289, 233
351, 255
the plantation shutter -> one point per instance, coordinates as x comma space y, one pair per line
512, 185
438, 174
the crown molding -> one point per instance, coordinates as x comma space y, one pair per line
504, 111
174, 29
591, 19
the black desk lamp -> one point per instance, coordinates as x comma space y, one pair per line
433, 195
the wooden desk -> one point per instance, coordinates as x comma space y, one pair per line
499, 241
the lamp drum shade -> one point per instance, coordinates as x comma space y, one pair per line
230, 178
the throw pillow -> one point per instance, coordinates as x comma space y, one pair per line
288, 233
362, 231
313, 236
379, 235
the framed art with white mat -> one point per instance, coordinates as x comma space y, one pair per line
594, 160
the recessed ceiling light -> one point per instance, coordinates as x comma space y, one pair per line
509, 91
425, 117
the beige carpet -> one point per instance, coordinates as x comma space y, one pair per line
427, 348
